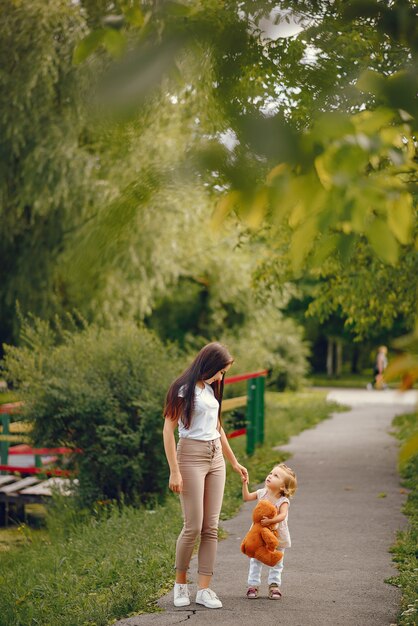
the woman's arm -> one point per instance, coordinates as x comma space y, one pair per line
230, 456
175, 482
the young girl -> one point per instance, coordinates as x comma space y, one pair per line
280, 485
197, 468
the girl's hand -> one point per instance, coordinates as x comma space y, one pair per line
265, 521
241, 470
175, 482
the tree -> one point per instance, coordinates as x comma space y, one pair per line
345, 175
93, 216
338, 175
47, 183
372, 295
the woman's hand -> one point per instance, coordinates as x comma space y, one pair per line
242, 471
175, 482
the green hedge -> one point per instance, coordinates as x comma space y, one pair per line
101, 390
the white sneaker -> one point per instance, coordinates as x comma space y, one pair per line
181, 595
208, 598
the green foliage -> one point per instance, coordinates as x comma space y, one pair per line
110, 215
218, 301
371, 295
182, 313
101, 391
340, 177
346, 175
46, 180
146, 233
93, 215
266, 340
405, 549
351, 185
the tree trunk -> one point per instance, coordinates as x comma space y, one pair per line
354, 360
339, 358
330, 357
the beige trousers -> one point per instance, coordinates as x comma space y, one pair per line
202, 467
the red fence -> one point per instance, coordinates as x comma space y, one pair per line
253, 401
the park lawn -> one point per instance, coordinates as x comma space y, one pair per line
91, 569
348, 380
405, 549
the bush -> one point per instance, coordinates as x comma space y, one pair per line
269, 341
101, 390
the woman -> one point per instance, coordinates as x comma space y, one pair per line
197, 468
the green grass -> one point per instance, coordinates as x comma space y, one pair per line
405, 550
357, 381
93, 569
348, 380
90, 572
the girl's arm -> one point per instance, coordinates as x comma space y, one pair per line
228, 454
267, 521
246, 494
175, 482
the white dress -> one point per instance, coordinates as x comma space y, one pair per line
284, 535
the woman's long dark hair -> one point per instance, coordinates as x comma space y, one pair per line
210, 360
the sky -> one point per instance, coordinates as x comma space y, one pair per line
274, 31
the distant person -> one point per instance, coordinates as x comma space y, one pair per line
197, 465
380, 365
280, 485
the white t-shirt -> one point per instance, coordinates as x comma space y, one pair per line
284, 535
205, 416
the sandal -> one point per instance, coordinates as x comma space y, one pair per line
252, 593
274, 592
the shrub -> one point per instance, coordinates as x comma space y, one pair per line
101, 390
269, 341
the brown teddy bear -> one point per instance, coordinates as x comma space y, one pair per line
261, 542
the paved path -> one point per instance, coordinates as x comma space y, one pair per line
341, 527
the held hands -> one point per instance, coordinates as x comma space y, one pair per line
175, 482
242, 471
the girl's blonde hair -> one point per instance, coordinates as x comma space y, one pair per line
290, 483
